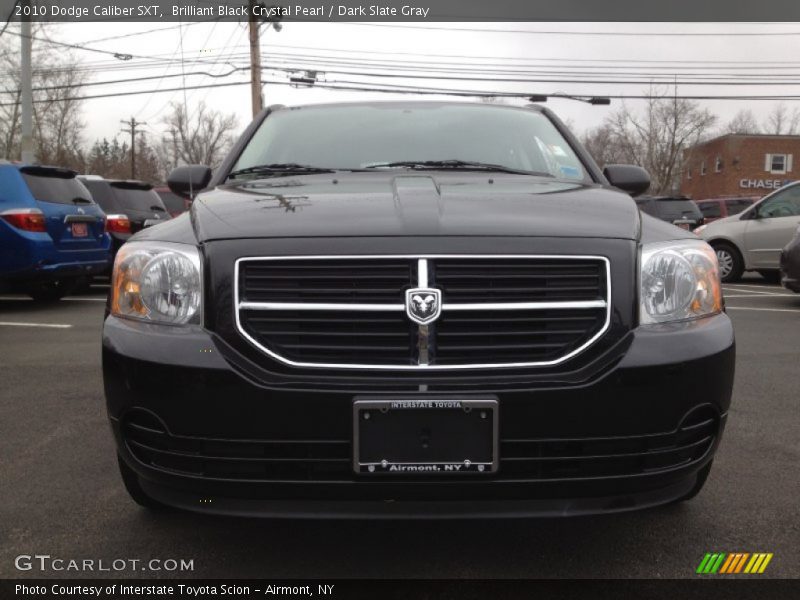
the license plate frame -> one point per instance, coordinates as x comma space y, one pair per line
80, 230
455, 426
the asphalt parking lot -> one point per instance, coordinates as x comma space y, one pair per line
61, 493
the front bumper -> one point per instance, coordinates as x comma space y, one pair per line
33, 257
790, 267
205, 434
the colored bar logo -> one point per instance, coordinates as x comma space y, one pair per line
734, 562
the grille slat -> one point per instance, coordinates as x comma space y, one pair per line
574, 293
529, 279
322, 280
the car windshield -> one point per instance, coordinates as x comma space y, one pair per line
737, 206
55, 185
173, 202
405, 136
101, 194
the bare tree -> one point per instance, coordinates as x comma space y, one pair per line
782, 121
657, 136
600, 142
57, 83
743, 122
202, 137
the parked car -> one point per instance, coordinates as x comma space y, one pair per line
679, 211
52, 236
175, 204
719, 208
129, 205
790, 264
752, 240
415, 309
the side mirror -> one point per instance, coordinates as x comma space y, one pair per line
188, 179
630, 178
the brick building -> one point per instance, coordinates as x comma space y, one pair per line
739, 165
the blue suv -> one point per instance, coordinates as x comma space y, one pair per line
52, 234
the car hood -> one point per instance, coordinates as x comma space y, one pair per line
412, 204
727, 224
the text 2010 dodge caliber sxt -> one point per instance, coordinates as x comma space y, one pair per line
430, 309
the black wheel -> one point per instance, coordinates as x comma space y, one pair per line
134, 488
731, 265
702, 475
771, 276
51, 291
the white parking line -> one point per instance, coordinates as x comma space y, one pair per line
49, 325
760, 296
797, 310
68, 299
758, 290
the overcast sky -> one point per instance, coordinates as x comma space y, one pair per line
221, 45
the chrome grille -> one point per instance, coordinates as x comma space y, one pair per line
463, 280
350, 311
324, 281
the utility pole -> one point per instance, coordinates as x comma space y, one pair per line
132, 124
26, 98
254, 24
255, 59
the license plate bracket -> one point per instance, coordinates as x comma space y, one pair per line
80, 230
425, 435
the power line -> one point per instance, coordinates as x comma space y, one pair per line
579, 33
419, 90
607, 64
406, 66
138, 33
380, 75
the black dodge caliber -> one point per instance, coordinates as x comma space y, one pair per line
408, 309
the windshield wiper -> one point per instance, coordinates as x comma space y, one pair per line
464, 165
79, 200
278, 168
156, 207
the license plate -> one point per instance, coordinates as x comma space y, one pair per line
683, 225
80, 230
438, 436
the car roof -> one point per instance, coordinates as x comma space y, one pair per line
664, 198
406, 103
21, 165
728, 199
122, 183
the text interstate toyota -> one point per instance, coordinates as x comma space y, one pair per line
414, 309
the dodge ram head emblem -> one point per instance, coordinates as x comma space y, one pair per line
423, 305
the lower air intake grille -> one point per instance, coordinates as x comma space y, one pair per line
533, 459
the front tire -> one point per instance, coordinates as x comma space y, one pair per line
731, 265
51, 291
134, 488
771, 276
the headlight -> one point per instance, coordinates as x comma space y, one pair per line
699, 230
157, 282
679, 281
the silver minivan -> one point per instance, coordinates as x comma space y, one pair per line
753, 240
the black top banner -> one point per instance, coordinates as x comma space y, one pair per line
402, 10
